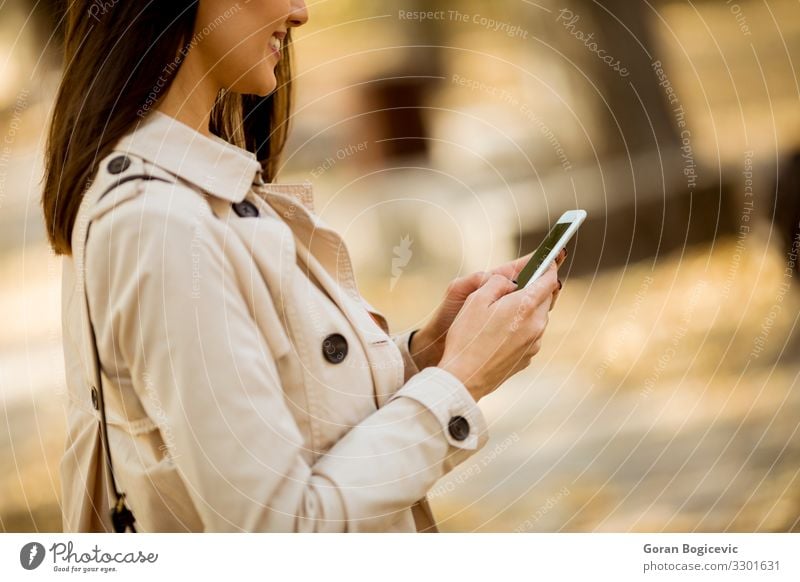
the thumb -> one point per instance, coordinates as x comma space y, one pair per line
494, 288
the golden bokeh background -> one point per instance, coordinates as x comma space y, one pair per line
666, 395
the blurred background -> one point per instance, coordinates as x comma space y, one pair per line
666, 395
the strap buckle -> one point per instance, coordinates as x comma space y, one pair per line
121, 516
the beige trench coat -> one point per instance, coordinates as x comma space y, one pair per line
248, 386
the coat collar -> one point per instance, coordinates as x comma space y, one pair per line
211, 163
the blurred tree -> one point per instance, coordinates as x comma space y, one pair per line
636, 111
397, 100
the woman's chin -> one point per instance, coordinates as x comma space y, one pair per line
263, 82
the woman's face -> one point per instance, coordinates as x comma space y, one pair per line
237, 41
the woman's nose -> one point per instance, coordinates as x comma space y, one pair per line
299, 13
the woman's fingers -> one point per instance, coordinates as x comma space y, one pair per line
513, 268
537, 296
495, 287
561, 257
559, 260
555, 295
544, 285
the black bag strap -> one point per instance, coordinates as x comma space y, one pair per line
121, 516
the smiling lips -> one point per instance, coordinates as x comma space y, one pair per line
275, 42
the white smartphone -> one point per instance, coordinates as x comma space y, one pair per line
548, 250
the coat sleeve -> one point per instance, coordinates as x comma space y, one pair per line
402, 340
183, 325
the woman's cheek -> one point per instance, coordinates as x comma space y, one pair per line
247, 69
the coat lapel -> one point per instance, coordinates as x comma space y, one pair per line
325, 254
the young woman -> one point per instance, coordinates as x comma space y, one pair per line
224, 372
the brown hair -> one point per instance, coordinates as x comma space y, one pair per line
119, 58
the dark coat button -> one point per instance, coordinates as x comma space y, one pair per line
245, 209
458, 427
95, 401
334, 348
119, 164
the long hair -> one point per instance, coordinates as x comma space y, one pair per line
119, 59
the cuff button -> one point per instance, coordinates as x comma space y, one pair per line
458, 427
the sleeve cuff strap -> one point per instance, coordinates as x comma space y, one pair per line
461, 420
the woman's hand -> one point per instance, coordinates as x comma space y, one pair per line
498, 331
427, 344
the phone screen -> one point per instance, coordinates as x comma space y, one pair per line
544, 249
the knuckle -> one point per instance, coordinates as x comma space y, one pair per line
457, 282
542, 288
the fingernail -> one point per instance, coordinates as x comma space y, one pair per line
560, 285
